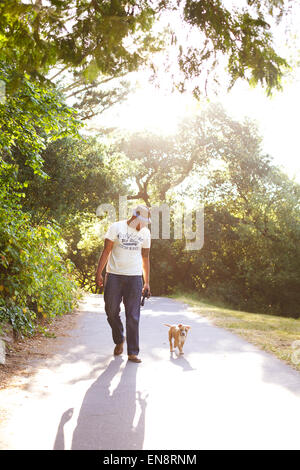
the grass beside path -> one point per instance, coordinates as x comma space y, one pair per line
269, 332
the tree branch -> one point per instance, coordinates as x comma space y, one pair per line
58, 73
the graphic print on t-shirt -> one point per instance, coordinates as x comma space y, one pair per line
125, 257
129, 241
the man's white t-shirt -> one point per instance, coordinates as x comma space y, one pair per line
125, 256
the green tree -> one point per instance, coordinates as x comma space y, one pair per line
80, 179
31, 116
250, 257
115, 37
35, 279
160, 163
84, 34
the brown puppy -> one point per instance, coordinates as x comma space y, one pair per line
178, 333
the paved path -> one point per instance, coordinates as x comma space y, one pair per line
222, 394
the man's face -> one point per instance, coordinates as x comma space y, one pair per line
139, 223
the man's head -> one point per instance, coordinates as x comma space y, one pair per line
140, 217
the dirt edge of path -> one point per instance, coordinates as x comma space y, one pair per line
21, 354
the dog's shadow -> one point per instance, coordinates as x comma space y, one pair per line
181, 361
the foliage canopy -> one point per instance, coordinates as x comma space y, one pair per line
111, 38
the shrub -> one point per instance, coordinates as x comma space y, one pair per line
35, 280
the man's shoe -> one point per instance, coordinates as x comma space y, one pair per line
118, 349
133, 358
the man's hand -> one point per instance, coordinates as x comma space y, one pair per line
108, 245
99, 280
146, 287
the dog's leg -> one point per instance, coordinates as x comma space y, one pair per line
170, 340
180, 346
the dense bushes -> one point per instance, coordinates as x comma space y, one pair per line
238, 264
35, 281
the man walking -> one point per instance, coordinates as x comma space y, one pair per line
126, 252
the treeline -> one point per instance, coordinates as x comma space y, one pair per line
50, 234
250, 258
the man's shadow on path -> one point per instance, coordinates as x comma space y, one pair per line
106, 421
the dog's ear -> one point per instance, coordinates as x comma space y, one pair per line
188, 327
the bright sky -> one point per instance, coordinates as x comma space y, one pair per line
277, 117
278, 120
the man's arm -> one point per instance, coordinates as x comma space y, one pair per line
146, 268
108, 244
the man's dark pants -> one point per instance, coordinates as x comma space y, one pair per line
128, 288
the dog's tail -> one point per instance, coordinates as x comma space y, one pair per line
166, 324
